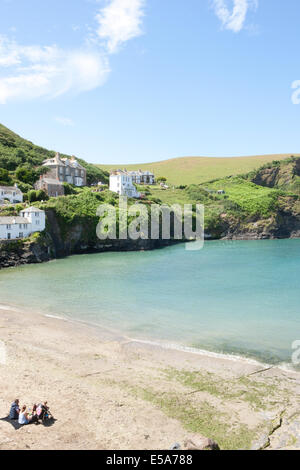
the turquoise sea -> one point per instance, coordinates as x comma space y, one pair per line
240, 297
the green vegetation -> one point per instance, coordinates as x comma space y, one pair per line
15, 151
196, 170
257, 394
21, 160
161, 179
204, 418
5, 179
76, 208
210, 405
247, 198
34, 196
227, 201
234, 192
252, 202
242, 199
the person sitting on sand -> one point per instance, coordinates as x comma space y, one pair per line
43, 411
14, 410
24, 417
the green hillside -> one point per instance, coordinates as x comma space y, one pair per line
18, 154
258, 204
193, 170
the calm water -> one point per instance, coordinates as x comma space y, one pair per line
234, 297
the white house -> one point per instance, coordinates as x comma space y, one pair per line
142, 177
12, 193
29, 221
121, 182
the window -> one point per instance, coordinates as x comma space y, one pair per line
8, 226
37, 214
8, 236
21, 235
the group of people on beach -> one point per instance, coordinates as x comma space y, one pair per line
38, 412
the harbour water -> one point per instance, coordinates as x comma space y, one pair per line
232, 297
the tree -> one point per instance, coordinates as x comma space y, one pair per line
39, 195
161, 179
21, 156
4, 177
93, 173
69, 189
26, 175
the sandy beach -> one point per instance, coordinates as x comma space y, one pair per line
108, 392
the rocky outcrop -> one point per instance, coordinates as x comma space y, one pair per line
267, 177
281, 176
276, 227
15, 253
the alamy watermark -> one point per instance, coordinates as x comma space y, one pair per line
152, 222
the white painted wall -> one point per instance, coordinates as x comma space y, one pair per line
32, 222
122, 185
37, 219
13, 195
15, 231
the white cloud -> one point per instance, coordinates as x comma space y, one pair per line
29, 72
234, 20
35, 71
120, 21
64, 121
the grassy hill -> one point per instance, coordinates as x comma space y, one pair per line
16, 153
193, 170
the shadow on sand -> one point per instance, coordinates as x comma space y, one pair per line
14, 423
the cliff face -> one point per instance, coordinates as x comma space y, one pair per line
267, 177
283, 223
81, 238
54, 243
283, 176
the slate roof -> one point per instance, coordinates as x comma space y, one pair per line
13, 220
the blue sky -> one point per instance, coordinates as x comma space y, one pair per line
119, 81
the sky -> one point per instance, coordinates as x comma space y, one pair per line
133, 81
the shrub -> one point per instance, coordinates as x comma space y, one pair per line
69, 189
5, 179
34, 196
26, 175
